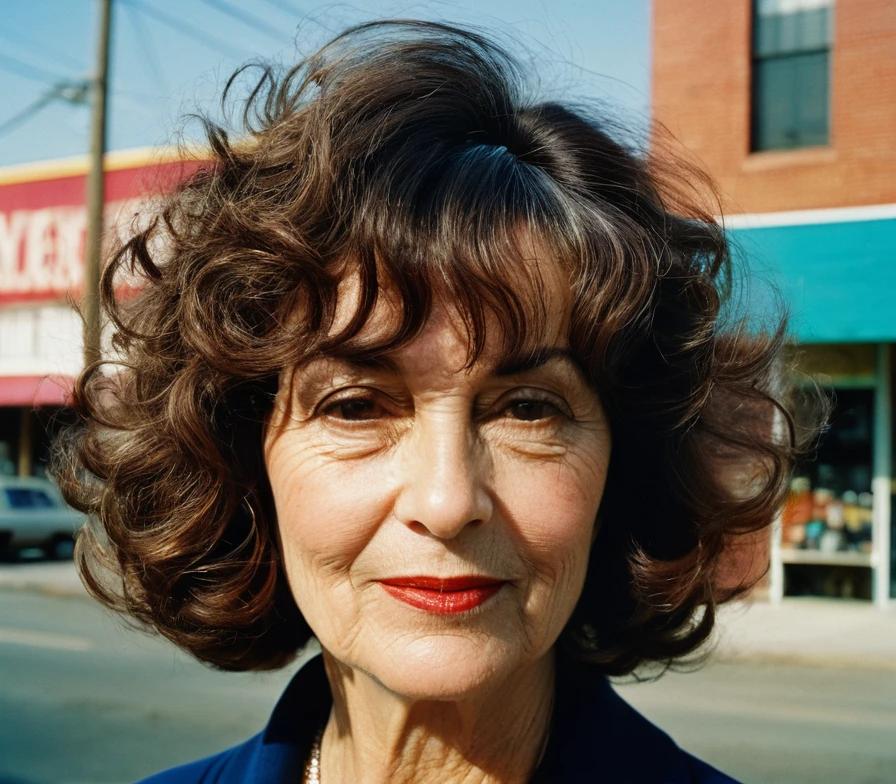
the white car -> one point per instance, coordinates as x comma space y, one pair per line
34, 514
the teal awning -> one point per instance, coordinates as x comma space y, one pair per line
838, 278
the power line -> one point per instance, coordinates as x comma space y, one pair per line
185, 28
286, 7
21, 40
28, 71
291, 10
74, 93
146, 43
26, 114
245, 18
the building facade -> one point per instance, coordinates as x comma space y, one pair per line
790, 105
42, 237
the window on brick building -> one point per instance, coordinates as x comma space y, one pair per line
791, 83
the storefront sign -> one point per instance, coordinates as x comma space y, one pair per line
43, 220
41, 253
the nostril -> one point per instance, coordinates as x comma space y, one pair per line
441, 530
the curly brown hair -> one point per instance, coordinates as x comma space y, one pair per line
407, 152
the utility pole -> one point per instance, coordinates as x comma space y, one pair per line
96, 189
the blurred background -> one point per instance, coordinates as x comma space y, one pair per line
790, 105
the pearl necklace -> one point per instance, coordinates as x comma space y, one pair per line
312, 767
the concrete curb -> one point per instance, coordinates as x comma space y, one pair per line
821, 660
49, 579
808, 631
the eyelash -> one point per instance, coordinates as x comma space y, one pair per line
328, 407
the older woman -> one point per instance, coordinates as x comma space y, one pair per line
435, 375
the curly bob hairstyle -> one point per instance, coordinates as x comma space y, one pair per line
407, 154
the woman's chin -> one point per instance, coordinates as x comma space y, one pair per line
443, 667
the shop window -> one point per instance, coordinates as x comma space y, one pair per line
791, 82
827, 523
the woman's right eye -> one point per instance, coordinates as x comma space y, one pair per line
354, 409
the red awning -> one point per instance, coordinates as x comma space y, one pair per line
35, 390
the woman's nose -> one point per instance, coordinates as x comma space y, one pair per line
444, 482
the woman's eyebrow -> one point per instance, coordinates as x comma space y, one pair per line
360, 362
510, 365
530, 360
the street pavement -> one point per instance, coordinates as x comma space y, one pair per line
810, 631
86, 700
804, 692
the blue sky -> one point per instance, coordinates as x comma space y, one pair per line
171, 57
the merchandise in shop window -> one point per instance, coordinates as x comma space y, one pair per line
797, 512
866, 522
829, 506
819, 519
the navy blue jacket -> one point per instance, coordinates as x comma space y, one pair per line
595, 736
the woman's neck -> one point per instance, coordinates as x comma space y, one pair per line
375, 735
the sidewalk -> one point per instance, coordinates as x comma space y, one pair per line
804, 630
47, 577
819, 632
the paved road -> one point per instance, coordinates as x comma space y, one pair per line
780, 724
84, 700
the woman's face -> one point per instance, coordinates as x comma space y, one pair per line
435, 523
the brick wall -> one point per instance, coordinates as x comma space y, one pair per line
701, 93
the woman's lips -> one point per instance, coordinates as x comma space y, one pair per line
442, 595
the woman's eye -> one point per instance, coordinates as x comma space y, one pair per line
354, 409
532, 410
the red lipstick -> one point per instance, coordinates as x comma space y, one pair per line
442, 595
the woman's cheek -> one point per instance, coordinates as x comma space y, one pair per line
327, 508
552, 508
557, 497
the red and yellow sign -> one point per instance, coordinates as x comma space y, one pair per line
43, 217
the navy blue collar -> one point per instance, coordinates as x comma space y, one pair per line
595, 736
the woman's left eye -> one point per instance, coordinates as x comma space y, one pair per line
533, 409
355, 409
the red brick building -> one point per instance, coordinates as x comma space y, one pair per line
791, 107
703, 58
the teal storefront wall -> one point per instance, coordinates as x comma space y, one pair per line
839, 279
